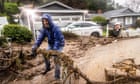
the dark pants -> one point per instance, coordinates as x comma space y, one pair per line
57, 65
114, 33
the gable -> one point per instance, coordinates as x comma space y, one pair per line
128, 11
55, 7
119, 12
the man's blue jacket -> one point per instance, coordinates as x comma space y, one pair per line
55, 36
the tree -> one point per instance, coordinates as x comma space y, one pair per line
80, 4
133, 4
96, 4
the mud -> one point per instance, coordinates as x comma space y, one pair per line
86, 52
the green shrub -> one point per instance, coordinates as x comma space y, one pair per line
70, 35
138, 23
2, 14
10, 8
100, 20
17, 33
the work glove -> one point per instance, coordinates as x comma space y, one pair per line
33, 54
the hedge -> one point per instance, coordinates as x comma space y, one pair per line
100, 20
70, 35
17, 33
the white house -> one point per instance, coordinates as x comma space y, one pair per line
60, 13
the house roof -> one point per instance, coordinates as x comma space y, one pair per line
115, 13
58, 7
120, 13
55, 3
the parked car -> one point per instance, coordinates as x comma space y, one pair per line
83, 28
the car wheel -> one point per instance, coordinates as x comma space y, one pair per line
95, 34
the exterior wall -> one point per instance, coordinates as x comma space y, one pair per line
64, 17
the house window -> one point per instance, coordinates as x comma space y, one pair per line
114, 20
120, 19
65, 19
55, 19
75, 18
128, 20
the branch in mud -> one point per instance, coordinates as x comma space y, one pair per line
12, 59
6, 60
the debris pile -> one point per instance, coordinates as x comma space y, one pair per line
125, 71
84, 43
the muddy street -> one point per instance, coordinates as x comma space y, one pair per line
100, 57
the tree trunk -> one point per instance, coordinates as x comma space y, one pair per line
2, 6
18, 2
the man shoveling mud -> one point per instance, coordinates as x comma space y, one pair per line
55, 42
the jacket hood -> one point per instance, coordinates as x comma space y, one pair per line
48, 17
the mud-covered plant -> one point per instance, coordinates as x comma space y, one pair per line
3, 42
69, 35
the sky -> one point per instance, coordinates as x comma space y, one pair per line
134, 6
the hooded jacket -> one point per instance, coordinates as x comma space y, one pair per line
55, 36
